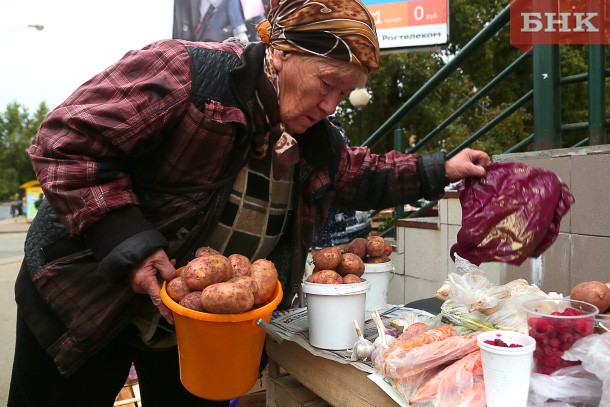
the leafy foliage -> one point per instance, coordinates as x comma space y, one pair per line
402, 75
17, 129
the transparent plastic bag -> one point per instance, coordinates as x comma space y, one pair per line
405, 362
459, 384
569, 386
587, 384
471, 294
594, 353
408, 385
512, 315
470, 289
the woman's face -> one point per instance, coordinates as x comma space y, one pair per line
311, 88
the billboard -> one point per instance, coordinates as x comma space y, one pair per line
410, 23
401, 24
217, 20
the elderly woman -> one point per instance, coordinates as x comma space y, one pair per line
182, 145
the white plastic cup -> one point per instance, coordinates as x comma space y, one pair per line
506, 371
379, 276
331, 311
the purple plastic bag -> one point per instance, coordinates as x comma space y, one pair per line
513, 213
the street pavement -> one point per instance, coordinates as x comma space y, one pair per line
12, 237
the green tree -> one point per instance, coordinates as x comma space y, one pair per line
403, 74
17, 129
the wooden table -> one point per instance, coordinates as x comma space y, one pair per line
335, 383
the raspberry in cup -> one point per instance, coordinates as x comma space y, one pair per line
556, 324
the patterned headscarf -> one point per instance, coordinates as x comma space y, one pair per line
337, 29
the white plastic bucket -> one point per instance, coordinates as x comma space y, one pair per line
331, 311
379, 276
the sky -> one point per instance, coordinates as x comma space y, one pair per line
80, 39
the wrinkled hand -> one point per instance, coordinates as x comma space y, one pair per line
148, 277
467, 163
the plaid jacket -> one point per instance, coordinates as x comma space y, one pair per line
142, 156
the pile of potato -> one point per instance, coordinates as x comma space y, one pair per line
593, 292
335, 266
217, 284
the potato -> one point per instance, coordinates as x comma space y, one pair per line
226, 298
192, 301
351, 279
325, 277
375, 246
593, 292
357, 246
240, 265
374, 260
388, 249
246, 281
327, 258
177, 289
207, 270
205, 251
351, 264
264, 274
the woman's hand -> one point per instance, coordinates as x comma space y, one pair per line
148, 277
467, 163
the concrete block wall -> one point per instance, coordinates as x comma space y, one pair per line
580, 253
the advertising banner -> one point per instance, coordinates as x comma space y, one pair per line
410, 23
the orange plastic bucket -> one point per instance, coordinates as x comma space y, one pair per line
220, 353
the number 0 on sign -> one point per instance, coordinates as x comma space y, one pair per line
410, 23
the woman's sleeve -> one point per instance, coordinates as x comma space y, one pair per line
376, 181
83, 147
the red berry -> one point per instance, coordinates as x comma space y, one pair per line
570, 312
499, 342
553, 336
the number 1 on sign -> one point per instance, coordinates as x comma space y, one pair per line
376, 16
395, 14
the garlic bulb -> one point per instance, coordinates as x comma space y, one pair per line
378, 355
363, 348
389, 340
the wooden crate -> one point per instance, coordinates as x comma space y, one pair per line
286, 391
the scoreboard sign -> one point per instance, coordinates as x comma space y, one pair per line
410, 23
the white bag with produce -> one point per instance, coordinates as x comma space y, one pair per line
470, 296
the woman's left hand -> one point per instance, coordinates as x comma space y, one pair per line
148, 277
466, 163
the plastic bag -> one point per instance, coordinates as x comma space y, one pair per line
565, 387
594, 353
459, 384
405, 362
470, 288
472, 295
408, 385
512, 213
512, 315
587, 384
